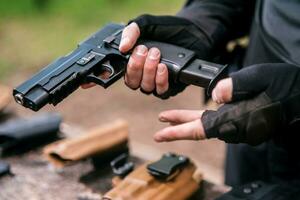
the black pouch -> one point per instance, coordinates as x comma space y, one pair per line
4, 168
19, 135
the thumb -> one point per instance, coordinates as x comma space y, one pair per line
130, 35
243, 84
222, 93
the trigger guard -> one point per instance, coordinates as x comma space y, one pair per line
100, 81
94, 79
113, 76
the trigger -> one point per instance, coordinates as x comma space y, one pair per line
106, 70
103, 75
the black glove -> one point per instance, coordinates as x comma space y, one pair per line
177, 31
265, 105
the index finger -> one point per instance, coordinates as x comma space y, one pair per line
180, 116
130, 35
188, 131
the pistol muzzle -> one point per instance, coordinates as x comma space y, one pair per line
34, 99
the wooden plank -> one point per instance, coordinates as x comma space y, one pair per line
35, 179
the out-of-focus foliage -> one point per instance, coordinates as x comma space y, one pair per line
34, 32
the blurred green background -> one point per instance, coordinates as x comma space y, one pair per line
34, 32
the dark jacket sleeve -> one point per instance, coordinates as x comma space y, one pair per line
220, 20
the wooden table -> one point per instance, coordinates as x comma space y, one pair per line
35, 179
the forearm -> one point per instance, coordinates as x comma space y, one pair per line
201, 26
220, 20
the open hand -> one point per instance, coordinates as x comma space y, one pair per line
187, 124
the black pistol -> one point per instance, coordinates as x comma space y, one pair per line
98, 60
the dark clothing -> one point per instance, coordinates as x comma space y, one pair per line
280, 21
206, 26
223, 20
267, 161
219, 20
274, 38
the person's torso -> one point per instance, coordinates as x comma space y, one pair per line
275, 37
279, 21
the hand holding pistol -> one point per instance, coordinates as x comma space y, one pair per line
98, 60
